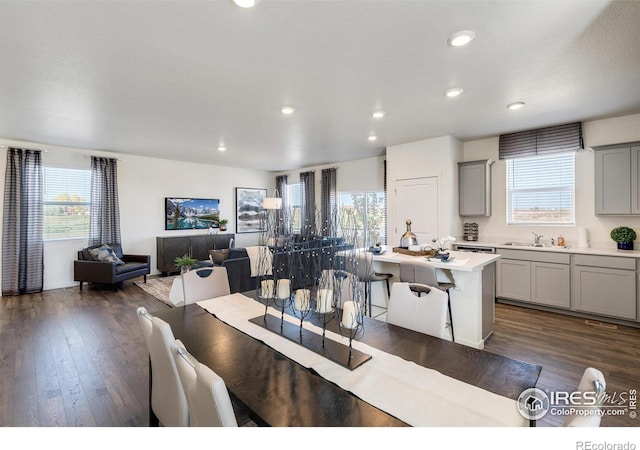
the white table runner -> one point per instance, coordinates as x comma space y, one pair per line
414, 394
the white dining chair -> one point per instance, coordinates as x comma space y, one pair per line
204, 283
592, 381
168, 400
207, 395
426, 314
419, 275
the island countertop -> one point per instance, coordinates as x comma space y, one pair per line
461, 261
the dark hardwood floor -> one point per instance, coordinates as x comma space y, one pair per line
72, 358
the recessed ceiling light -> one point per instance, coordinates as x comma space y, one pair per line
287, 110
461, 38
245, 3
454, 92
222, 148
373, 137
515, 105
378, 114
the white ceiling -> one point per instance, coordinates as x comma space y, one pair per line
173, 79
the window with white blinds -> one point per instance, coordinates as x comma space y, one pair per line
67, 196
541, 190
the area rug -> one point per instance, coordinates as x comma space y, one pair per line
158, 287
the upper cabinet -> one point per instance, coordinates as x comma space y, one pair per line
474, 188
617, 182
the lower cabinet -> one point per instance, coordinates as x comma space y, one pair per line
534, 277
605, 286
601, 285
551, 284
513, 279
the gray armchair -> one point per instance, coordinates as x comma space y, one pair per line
90, 268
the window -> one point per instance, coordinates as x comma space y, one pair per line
66, 203
364, 212
541, 190
294, 206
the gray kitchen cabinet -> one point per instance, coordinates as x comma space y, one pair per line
474, 188
534, 277
513, 279
605, 286
551, 284
617, 179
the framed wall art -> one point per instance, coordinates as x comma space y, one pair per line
191, 213
249, 210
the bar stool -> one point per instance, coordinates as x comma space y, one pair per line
425, 275
367, 275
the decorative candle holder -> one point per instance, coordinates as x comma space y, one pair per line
325, 308
282, 299
351, 323
301, 306
266, 293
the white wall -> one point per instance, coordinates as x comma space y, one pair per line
143, 183
437, 157
598, 132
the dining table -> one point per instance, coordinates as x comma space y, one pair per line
276, 390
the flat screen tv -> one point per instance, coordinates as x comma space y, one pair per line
191, 213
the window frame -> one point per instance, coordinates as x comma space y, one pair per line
294, 210
48, 203
571, 190
365, 219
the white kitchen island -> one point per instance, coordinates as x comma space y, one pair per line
472, 299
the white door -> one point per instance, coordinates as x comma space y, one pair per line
416, 200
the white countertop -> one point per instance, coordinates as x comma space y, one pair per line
549, 248
462, 261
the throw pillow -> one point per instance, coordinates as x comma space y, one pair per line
217, 256
105, 253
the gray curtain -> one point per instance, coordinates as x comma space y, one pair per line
329, 201
104, 219
308, 199
22, 242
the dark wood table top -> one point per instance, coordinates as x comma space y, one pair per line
279, 392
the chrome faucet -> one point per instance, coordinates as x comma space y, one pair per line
537, 237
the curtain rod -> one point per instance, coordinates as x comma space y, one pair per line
89, 156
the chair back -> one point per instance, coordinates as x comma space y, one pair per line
411, 272
345, 285
207, 395
592, 381
168, 400
204, 283
365, 265
427, 314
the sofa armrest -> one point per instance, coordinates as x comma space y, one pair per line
95, 271
137, 258
239, 274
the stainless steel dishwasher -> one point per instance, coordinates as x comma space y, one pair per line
474, 248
